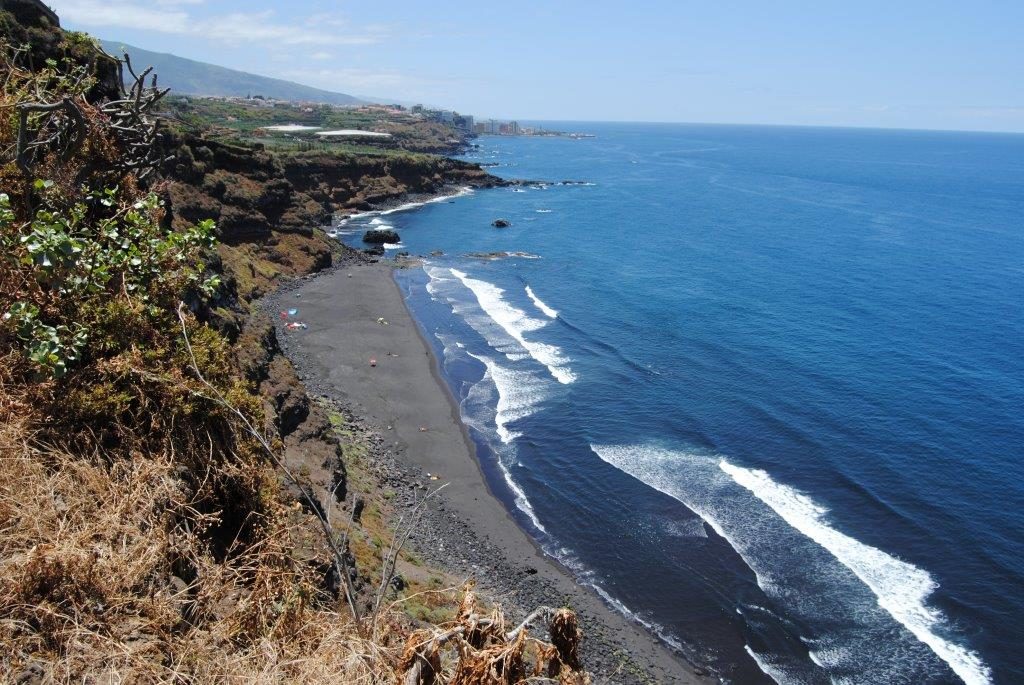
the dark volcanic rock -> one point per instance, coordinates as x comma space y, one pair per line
376, 250
380, 237
501, 223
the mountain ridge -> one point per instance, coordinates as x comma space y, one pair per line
191, 77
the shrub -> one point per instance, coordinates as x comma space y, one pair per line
71, 261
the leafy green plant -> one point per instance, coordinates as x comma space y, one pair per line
50, 347
88, 253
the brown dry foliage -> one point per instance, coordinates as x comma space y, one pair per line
476, 649
92, 555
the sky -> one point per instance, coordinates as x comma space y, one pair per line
934, 64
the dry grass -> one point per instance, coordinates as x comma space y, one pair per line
90, 557
108, 576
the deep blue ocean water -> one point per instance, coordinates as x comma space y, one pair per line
763, 388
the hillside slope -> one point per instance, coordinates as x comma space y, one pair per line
191, 77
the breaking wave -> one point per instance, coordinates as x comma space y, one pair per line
502, 396
518, 392
403, 207
901, 588
516, 324
548, 311
867, 607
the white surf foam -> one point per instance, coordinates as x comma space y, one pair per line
404, 207
519, 393
586, 576
516, 324
768, 668
687, 528
443, 284
901, 588
393, 246
522, 501
633, 616
543, 211
540, 305
440, 198
500, 397
867, 605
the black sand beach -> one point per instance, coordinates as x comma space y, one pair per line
466, 530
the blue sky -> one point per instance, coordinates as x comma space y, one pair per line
902, 63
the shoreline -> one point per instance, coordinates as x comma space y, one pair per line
467, 530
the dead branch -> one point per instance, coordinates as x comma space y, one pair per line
66, 132
341, 566
487, 655
543, 612
394, 549
127, 120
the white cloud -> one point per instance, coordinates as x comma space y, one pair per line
347, 78
91, 13
169, 17
321, 55
375, 81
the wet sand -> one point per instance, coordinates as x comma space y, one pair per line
467, 530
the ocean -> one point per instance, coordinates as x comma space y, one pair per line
762, 388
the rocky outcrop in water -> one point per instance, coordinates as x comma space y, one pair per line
381, 236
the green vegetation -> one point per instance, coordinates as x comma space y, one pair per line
71, 260
241, 121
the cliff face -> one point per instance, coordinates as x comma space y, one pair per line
359, 182
268, 206
250, 192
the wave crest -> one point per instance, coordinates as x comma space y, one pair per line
867, 606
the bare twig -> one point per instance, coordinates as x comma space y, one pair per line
341, 566
542, 612
397, 543
69, 131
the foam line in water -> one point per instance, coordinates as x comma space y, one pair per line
518, 395
901, 588
866, 607
440, 198
500, 397
586, 576
625, 611
768, 668
404, 207
516, 324
548, 311
522, 501
444, 284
